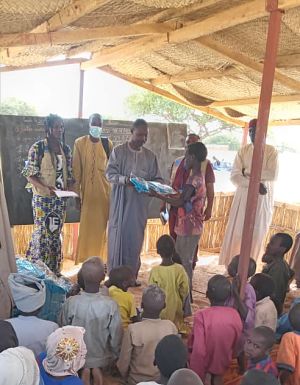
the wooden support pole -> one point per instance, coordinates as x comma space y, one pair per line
260, 138
81, 88
80, 111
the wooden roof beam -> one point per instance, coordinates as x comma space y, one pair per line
52, 63
63, 18
193, 75
245, 61
255, 101
288, 122
179, 13
224, 19
66, 16
168, 95
79, 35
166, 15
231, 17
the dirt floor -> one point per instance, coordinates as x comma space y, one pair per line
207, 266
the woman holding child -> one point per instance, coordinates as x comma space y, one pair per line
49, 168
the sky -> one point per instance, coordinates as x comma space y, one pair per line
56, 90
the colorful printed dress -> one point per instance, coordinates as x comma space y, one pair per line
48, 210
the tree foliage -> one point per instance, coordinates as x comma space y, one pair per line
14, 106
145, 103
225, 138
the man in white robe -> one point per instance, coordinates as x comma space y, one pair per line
240, 177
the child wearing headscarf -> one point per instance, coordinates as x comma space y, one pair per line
18, 367
29, 294
64, 357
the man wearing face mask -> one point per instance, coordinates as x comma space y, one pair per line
129, 209
240, 177
91, 153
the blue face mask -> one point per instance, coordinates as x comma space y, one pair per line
95, 132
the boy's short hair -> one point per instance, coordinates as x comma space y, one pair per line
120, 274
218, 288
165, 246
294, 317
92, 270
255, 377
170, 355
234, 264
267, 334
185, 376
139, 123
199, 150
263, 284
286, 241
153, 297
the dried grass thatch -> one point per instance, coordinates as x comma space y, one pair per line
286, 218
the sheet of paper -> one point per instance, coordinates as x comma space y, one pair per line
65, 194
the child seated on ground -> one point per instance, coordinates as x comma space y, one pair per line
246, 308
288, 358
257, 377
120, 279
170, 355
29, 295
64, 356
99, 315
277, 268
136, 361
103, 289
257, 349
216, 331
172, 278
265, 313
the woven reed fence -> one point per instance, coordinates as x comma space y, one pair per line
286, 219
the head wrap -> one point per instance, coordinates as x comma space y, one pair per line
184, 376
66, 351
8, 338
18, 367
29, 293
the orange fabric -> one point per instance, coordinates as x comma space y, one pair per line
232, 376
289, 356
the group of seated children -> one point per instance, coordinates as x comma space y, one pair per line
100, 331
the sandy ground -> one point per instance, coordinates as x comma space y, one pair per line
207, 266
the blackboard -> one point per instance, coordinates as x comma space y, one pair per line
18, 133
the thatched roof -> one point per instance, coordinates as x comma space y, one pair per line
205, 53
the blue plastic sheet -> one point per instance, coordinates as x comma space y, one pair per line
56, 288
143, 186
